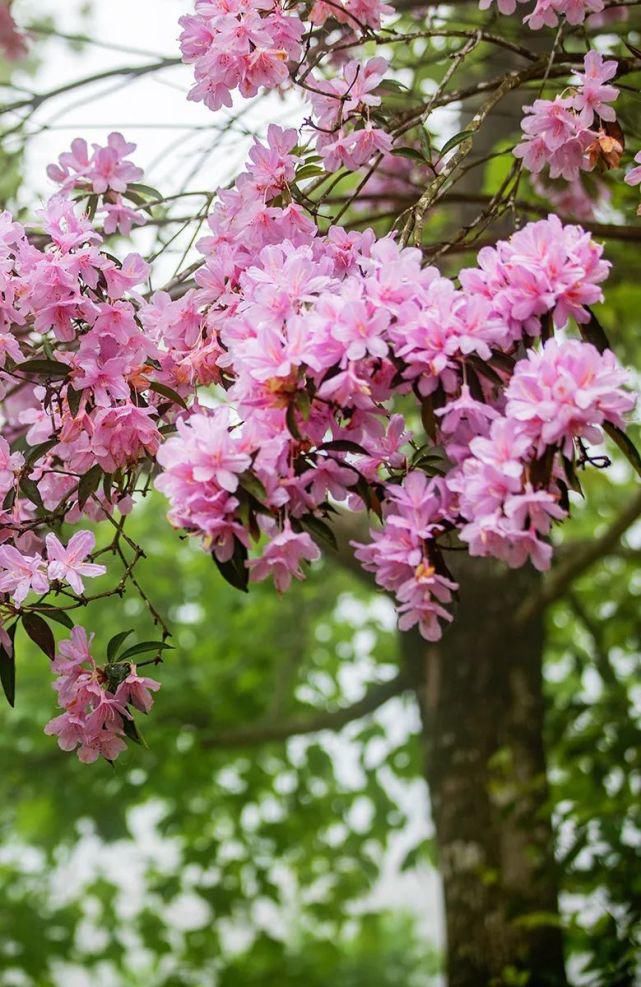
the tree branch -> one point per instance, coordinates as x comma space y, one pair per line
297, 726
133, 71
585, 556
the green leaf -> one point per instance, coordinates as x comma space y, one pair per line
249, 482
320, 530
31, 492
144, 647
168, 392
40, 633
234, 570
88, 485
44, 368
625, 444
8, 669
74, 398
308, 171
53, 613
593, 332
428, 418
9, 499
37, 452
133, 733
393, 86
144, 190
115, 643
410, 152
292, 424
343, 445
455, 141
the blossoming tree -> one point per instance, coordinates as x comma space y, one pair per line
304, 374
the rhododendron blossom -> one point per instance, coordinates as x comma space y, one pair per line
296, 369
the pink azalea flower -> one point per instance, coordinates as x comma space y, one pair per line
19, 574
633, 177
67, 564
282, 556
594, 94
136, 690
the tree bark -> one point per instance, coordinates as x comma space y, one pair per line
481, 702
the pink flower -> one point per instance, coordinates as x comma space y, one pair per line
19, 574
105, 744
137, 690
122, 434
633, 177
282, 556
494, 536
121, 218
209, 449
554, 136
353, 149
504, 6
594, 95
10, 465
535, 509
565, 391
107, 169
74, 650
69, 728
547, 12
361, 330
68, 563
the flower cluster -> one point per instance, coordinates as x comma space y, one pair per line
512, 486
236, 45
342, 108
404, 555
265, 397
21, 573
546, 13
104, 172
249, 47
97, 701
569, 134
311, 336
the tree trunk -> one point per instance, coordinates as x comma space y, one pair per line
481, 704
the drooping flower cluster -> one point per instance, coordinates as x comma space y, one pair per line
265, 397
404, 555
341, 107
244, 46
97, 701
570, 134
311, 337
513, 485
251, 48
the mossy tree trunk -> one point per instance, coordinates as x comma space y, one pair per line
480, 695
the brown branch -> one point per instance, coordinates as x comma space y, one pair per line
585, 556
133, 71
266, 732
